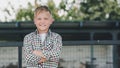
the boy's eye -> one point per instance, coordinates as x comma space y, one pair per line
39, 18
46, 18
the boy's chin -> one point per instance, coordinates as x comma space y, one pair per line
42, 29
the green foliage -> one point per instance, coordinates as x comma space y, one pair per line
86, 10
53, 9
25, 14
100, 10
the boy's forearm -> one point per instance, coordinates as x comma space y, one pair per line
38, 53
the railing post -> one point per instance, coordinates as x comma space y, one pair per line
19, 56
115, 52
92, 50
115, 60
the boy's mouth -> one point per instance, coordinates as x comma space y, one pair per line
42, 25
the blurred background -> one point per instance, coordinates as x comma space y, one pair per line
90, 30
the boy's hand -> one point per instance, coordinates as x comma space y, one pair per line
42, 60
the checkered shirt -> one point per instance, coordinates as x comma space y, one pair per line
51, 48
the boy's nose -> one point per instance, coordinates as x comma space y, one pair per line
42, 21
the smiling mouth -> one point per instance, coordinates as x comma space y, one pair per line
42, 25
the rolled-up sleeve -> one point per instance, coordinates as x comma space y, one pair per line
54, 54
30, 58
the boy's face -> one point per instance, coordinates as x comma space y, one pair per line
43, 21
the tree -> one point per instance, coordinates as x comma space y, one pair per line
68, 14
53, 9
76, 10
25, 14
100, 10
70, 10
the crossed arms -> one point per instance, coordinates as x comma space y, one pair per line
35, 57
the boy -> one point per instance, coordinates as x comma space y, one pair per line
42, 47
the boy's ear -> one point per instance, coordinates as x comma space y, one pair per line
52, 20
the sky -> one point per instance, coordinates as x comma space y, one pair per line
16, 4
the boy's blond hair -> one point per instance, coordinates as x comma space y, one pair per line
41, 9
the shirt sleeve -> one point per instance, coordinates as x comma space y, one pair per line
53, 55
30, 58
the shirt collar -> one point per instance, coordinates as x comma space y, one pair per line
48, 33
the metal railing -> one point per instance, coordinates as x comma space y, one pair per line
74, 33
69, 43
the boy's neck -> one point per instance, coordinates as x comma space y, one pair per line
42, 32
